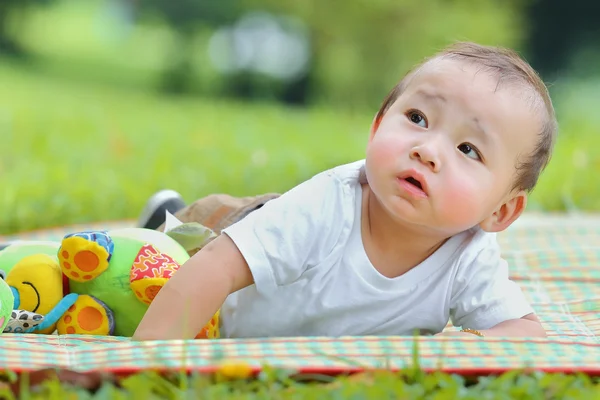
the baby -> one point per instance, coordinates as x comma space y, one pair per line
404, 240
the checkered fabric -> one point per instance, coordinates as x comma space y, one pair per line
556, 260
29, 352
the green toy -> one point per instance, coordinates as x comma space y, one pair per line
6, 303
98, 282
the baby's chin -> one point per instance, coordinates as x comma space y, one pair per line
423, 222
452, 223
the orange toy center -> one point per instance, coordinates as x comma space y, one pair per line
89, 319
86, 260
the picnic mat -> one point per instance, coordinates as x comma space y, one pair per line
555, 258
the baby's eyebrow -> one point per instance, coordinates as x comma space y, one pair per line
436, 97
431, 96
483, 134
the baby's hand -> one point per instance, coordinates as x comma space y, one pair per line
528, 326
455, 333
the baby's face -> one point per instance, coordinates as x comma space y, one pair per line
459, 135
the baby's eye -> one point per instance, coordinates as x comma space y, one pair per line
417, 118
470, 151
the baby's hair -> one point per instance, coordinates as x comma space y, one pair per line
509, 67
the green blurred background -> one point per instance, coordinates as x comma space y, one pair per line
104, 102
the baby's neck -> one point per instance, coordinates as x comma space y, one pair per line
393, 248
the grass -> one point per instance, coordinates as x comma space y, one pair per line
77, 152
85, 140
276, 384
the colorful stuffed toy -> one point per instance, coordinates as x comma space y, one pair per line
36, 284
97, 282
6, 303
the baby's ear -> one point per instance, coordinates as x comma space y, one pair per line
506, 214
375, 125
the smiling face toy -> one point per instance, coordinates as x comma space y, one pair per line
40, 292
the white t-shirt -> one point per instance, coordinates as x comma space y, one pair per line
313, 277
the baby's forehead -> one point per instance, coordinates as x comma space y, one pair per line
443, 82
437, 71
445, 68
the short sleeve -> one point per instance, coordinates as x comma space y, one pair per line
289, 234
483, 293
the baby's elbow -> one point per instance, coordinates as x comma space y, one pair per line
538, 330
534, 326
141, 338
145, 335
535, 329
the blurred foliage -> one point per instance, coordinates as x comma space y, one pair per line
77, 152
277, 384
188, 15
363, 47
185, 18
11, 13
558, 34
360, 48
86, 101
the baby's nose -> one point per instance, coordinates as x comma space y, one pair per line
427, 156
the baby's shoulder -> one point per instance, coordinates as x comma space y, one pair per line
477, 248
345, 174
324, 199
476, 239
332, 187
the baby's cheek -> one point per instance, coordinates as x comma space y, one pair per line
462, 204
386, 150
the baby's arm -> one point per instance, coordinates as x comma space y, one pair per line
192, 296
484, 298
527, 326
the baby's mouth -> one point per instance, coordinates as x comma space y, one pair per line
414, 182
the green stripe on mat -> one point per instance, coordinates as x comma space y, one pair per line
555, 259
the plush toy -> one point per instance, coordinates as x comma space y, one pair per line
97, 282
6, 303
36, 284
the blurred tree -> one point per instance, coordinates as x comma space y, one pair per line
360, 48
11, 16
363, 47
186, 18
559, 30
263, 56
